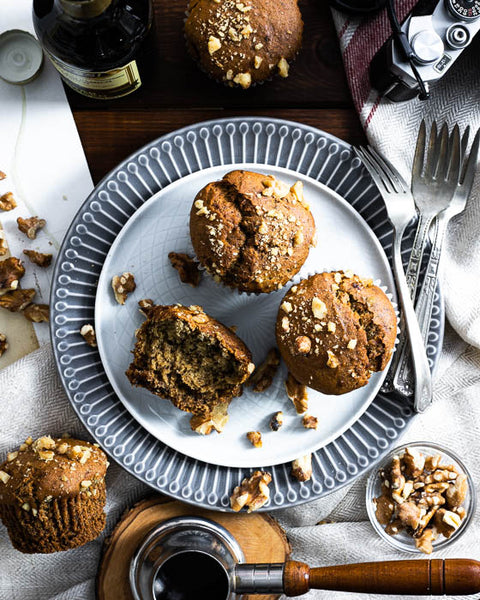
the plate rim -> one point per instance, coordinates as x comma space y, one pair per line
299, 499
104, 277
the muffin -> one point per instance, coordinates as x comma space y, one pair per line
52, 494
241, 43
251, 231
334, 330
184, 355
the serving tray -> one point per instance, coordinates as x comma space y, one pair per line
261, 141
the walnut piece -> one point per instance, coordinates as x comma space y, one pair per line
17, 300
3, 244
123, 285
145, 306
252, 493
37, 313
2, 175
3, 344
30, 226
39, 258
276, 421
319, 308
303, 344
302, 468
7, 202
414, 489
11, 271
88, 334
216, 420
255, 438
262, 377
310, 422
187, 268
297, 392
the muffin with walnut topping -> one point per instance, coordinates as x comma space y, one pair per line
334, 330
52, 494
251, 231
243, 42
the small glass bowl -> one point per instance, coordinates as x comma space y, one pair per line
403, 541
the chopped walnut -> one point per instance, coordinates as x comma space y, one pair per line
319, 308
39, 258
187, 268
11, 271
3, 244
30, 226
302, 468
262, 377
17, 300
283, 67
2, 175
88, 334
297, 392
414, 488
37, 313
123, 285
303, 344
332, 360
145, 306
3, 344
276, 421
216, 420
243, 79
310, 422
4, 477
255, 438
45, 442
252, 493
7, 202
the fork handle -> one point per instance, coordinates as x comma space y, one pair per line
412, 276
421, 369
426, 298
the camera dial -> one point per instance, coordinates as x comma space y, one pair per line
465, 10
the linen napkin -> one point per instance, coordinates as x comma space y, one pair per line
32, 397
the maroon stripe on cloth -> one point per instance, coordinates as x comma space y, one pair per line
342, 31
369, 37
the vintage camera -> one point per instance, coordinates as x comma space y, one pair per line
437, 33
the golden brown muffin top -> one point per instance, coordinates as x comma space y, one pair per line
251, 231
335, 329
241, 42
50, 468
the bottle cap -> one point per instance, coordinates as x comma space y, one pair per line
21, 56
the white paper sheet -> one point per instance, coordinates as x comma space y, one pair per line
41, 153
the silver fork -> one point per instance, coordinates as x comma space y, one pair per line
433, 185
401, 210
461, 191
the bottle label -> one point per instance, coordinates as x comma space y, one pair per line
101, 84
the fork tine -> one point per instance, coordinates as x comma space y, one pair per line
441, 169
387, 167
472, 162
371, 168
455, 156
464, 146
418, 159
433, 147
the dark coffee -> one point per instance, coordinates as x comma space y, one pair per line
191, 576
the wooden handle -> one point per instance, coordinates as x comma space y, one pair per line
451, 576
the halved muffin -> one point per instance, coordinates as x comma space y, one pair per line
188, 357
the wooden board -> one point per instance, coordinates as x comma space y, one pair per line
260, 537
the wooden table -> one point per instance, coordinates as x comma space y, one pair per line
178, 93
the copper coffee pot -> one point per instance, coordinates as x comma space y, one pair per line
190, 558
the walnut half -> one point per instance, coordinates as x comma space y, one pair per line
17, 300
187, 268
3, 343
30, 226
252, 493
297, 392
123, 285
7, 202
38, 313
39, 258
263, 375
11, 271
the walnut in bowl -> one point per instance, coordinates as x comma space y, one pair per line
421, 498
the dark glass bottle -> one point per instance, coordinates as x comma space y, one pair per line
96, 45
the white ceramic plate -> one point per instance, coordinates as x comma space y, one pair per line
160, 226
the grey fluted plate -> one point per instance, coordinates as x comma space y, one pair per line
222, 142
